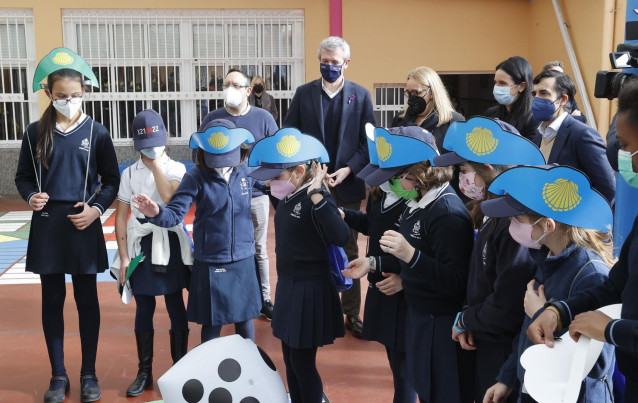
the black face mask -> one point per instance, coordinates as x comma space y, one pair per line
258, 88
416, 105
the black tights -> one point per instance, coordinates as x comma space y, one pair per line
145, 309
53, 296
304, 382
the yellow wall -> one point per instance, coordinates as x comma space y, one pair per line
389, 38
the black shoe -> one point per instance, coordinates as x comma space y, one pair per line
354, 324
89, 394
57, 395
266, 310
144, 378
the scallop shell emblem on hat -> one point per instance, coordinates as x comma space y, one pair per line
384, 149
561, 195
288, 146
62, 59
481, 141
218, 140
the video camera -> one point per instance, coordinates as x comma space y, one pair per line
609, 83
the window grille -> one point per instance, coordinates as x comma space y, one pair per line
174, 61
388, 101
18, 103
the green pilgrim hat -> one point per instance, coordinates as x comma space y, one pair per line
62, 58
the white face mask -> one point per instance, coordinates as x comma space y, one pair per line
69, 110
232, 97
153, 152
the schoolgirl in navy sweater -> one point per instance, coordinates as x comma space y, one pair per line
168, 253
564, 222
307, 312
432, 247
61, 157
223, 287
500, 268
577, 312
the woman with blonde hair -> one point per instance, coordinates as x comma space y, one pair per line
428, 105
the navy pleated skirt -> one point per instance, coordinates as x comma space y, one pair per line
147, 280
385, 318
432, 359
56, 246
220, 294
307, 311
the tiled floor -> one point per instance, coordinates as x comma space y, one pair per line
352, 370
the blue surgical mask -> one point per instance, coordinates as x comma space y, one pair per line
543, 109
153, 152
625, 167
330, 73
502, 95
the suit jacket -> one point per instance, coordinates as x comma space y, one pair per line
267, 104
579, 146
306, 114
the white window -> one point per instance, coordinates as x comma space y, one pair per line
174, 61
388, 102
18, 102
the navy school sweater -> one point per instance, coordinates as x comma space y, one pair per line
442, 233
64, 180
223, 228
499, 272
300, 246
621, 286
562, 276
373, 223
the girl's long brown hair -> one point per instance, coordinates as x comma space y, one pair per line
46, 124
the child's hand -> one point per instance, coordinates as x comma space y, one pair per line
38, 201
145, 205
357, 268
85, 218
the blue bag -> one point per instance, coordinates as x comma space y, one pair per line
338, 262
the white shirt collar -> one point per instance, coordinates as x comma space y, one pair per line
332, 94
427, 198
73, 126
224, 172
551, 131
390, 196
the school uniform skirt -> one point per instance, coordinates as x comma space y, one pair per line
56, 246
385, 318
432, 359
148, 279
307, 311
220, 294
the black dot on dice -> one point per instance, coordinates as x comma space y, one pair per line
229, 370
266, 359
220, 395
249, 400
193, 391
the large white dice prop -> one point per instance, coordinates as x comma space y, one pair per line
224, 370
554, 375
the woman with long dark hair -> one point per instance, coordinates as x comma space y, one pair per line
513, 91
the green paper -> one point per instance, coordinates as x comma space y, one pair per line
133, 265
62, 58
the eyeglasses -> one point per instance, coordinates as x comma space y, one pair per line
235, 86
64, 101
416, 93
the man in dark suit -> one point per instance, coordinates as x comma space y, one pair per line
335, 111
576, 113
564, 140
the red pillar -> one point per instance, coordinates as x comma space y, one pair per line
336, 18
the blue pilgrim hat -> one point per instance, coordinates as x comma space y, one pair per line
397, 148
560, 192
288, 147
487, 141
372, 154
221, 140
